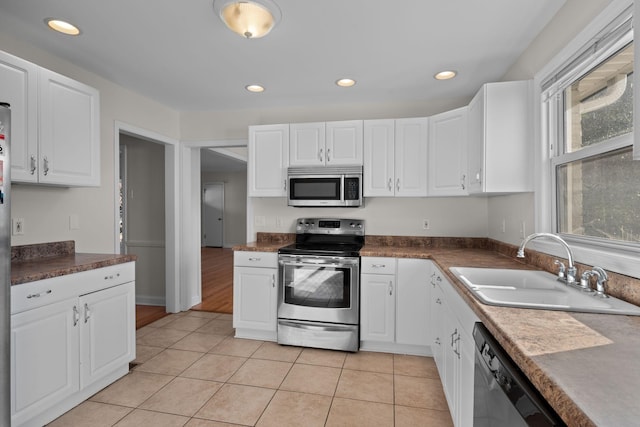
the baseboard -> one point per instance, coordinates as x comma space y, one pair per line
150, 300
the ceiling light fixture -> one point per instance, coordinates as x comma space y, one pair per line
445, 75
63, 27
345, 82
254, 88
251, 19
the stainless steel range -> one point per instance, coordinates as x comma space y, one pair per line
319, 285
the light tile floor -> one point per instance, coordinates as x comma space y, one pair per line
190, 371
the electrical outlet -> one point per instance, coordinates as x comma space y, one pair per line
17, 226
523, 229
425, 224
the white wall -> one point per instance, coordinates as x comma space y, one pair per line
46, 210
235, 204
448, 216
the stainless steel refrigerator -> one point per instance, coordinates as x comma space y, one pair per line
5, 264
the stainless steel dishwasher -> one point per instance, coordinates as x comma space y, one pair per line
503, 396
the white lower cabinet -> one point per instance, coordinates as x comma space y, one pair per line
255, 292
394, 305
453, 347
66, 344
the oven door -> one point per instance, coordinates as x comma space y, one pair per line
319, 288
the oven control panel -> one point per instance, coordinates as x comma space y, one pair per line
330, 226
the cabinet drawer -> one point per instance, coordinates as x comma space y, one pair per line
31, 295
377, 265
255, 259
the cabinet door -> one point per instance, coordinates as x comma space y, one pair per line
344, 143
448, 153
107, 338
379, 158
413, 302
466, 378
377, 307
69, 131
475, 147
437, 326
411, 137
268, 160
44, 358
307, 144
255, 298
19, 87
450, 360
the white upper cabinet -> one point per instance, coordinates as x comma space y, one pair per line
344, 143
499, 152
55, 125
411, 157
326, 144
19, 87
268, 160
448, 153
307, 144
379, 161
69, 119
395, 153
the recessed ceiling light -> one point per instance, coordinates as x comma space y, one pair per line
445, 75
62, 26
345, 82
254, 88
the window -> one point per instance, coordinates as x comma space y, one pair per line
589, 122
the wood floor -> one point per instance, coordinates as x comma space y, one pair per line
217, 287
217, 280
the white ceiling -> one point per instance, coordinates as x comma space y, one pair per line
178, 53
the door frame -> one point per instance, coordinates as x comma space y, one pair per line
191, 232
202, 213
174, 300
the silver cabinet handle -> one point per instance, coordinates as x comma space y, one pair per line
45, 163
285, 185
38, 295
438, 301
437, 341
33, 165
87, 313
321, 155
463, 178
76, 315
328, 154
398, 184
433, 277
390, 288
255, 259
390, 185
111, 277
378, 265
273, 280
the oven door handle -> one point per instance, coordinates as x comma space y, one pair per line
299, 325
319, 263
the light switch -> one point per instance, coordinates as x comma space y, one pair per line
74, 222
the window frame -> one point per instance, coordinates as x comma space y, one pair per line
578, 58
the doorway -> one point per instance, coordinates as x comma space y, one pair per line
213, 214
142, 215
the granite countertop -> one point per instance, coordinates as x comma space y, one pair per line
44, 261
587, 366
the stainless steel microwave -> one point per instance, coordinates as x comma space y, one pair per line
325, 186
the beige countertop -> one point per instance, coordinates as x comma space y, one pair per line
587, 366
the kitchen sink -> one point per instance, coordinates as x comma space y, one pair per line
535, 289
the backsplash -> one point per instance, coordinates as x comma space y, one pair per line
42, 250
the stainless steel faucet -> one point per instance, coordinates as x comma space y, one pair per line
570, 276
601, 279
